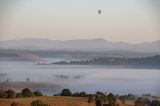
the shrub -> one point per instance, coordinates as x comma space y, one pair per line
27, 93
38, 103
66, 92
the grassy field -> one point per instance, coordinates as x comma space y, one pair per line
53, 101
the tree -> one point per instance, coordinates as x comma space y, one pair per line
111, 99
100, 98
155, 103
66, 92
27, 93
139, 102
82, 94
38, 93
10, 94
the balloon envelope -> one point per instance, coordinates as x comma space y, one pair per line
99, 11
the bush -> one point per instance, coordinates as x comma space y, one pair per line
38, 93
66, 92
38, 103
27, 93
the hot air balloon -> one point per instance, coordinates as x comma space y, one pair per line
99, 11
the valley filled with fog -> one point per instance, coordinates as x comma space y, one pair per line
88, 78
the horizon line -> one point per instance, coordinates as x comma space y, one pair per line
80, 39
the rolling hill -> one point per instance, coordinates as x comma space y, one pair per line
96, 44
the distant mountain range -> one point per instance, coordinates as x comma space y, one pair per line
79, 45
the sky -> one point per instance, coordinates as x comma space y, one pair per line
131, 21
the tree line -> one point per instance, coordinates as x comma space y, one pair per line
24, 93
99, 98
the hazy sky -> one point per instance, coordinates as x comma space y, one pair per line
131, 21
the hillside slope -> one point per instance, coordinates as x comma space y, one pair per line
53, 101
56, 101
